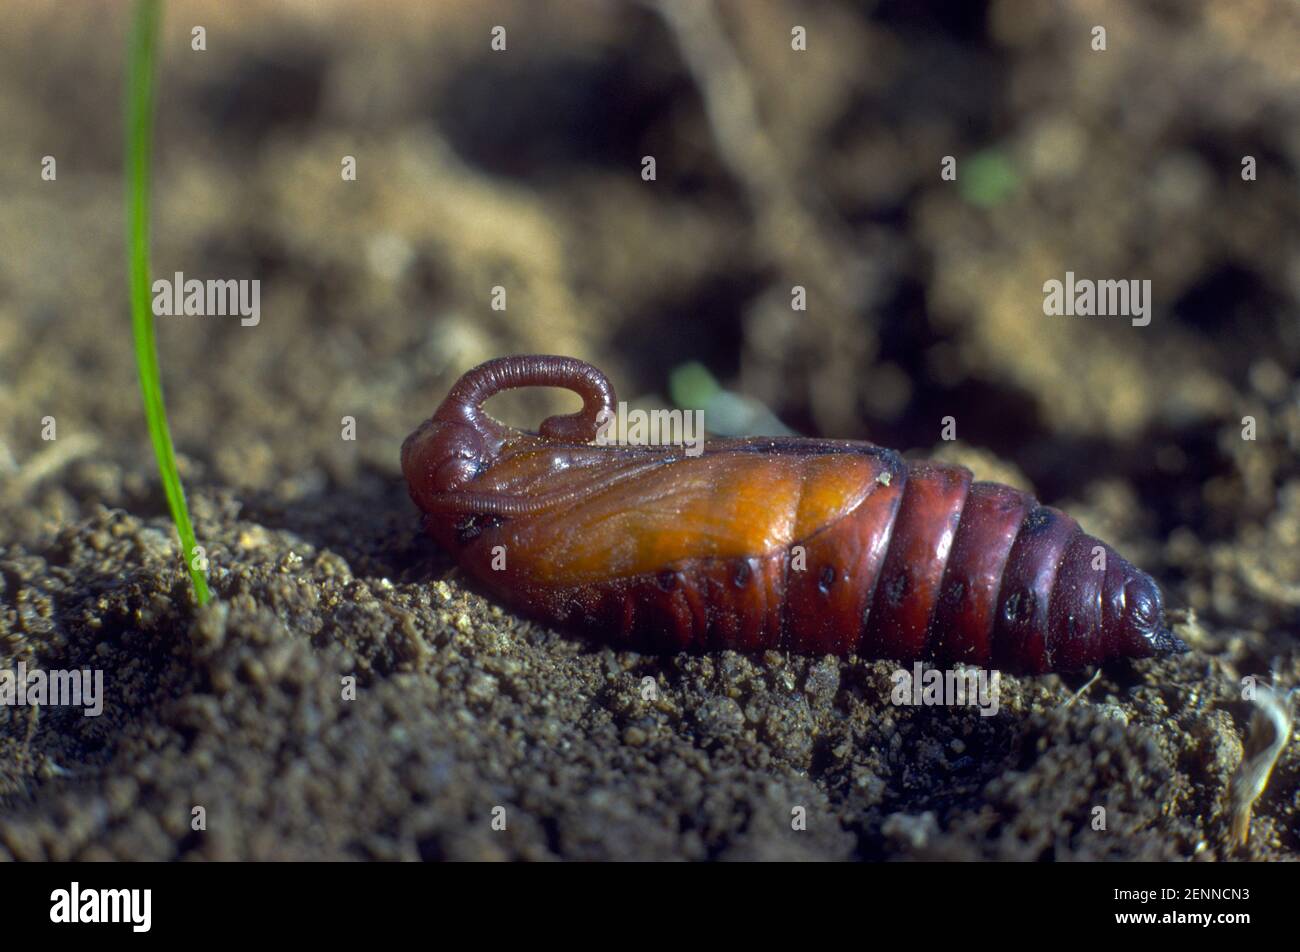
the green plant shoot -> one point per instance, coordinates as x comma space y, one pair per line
139, 138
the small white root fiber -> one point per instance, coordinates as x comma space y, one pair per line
1270, 729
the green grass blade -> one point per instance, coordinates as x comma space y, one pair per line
139, 139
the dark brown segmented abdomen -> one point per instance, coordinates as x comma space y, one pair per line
920, 540
980, 573
962, 627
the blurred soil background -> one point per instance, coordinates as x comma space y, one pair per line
522, 169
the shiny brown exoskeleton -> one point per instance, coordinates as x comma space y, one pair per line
800, 544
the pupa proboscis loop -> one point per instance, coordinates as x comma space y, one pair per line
807, 545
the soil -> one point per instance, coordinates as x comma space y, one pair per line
523, 169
